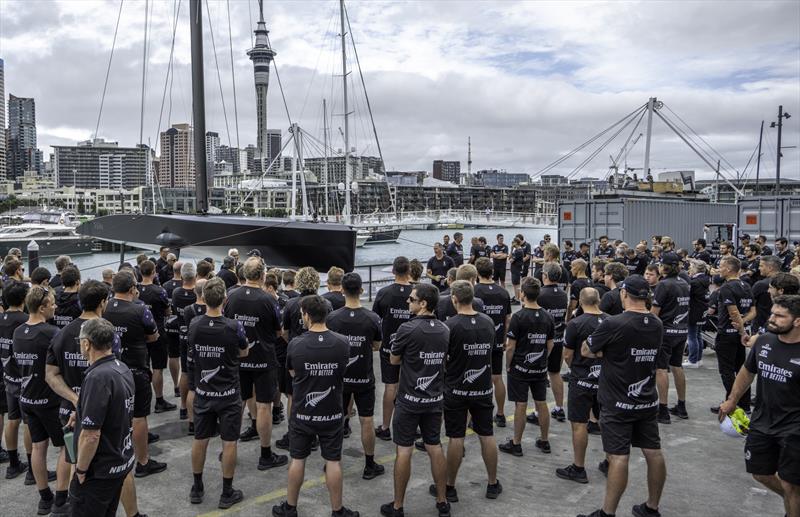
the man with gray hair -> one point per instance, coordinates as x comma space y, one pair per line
769, 266
108, 276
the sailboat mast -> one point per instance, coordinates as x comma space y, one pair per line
325, 146
347, 175
198, 104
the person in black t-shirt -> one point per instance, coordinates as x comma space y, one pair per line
628, 344
174, 282
603, 250
526, 254
334, 294
556, 302
103, 422
317, 361
496, 305
598, 276
227, 272
530, 339
455, 250
468, 387
445, 308
362, 328
135, 326
769, 267
580, 282
699, 282
67, 305
182, 297
700, 252
391, 305
437, 267
517, 262
783, 252
773, 441
614, 274
500, 261
216, 344
419, 348
582, 394
191, 312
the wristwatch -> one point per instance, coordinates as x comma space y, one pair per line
80, 472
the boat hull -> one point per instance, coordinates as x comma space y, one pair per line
383, 235
281, 242
50, 247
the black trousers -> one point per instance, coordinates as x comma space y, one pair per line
95, 497
730, 358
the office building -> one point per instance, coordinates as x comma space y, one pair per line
447, 170
2, 121
98, 164
176, 163
21, 152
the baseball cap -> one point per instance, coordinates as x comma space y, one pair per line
745, 236
636, 286
670, 259
253, 253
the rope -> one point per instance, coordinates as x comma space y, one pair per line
597, 151
703, 140
280, 86
108, 69
233, 75
219, 76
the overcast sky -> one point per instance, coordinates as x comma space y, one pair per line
527, 81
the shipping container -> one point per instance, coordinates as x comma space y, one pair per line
632, 219
771, 217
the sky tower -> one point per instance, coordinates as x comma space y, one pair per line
261, 55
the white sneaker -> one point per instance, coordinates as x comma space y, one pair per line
687, 364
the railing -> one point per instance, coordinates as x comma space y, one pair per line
456, 216
370, 280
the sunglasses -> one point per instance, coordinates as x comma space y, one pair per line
412, 299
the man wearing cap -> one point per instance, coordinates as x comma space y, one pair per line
629, 344
744, 242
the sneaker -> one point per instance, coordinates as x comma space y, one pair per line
196, 495
153, 437
500, 420
373, 471
567, 376
663, 415
45, 507
345, 512
3, 455
642, 510
151, 467
164, 406
451, 494
420, 445
226, 501
388, 510
275, 460
603, 467
383, 434
492, 491
347, 430
596, 513
544, 446
687, 364
249, 434
572, 473
190, 432
593, 428
533, 418
62, 510
558, 414
511, 448
283, 443
679, 411
183, 414
277, 415
283, 510
13, 471
443, 508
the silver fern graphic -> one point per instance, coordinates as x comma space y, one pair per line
207, 375
594, 372
635, 389
679, 318
315, 397
498, 326
533, 357
471, 376
25, 381
353, 360
424, 382
5, 361
251, 344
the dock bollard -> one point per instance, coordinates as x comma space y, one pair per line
33, 256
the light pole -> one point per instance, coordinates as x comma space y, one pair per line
779, 124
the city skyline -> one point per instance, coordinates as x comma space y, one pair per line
527, 81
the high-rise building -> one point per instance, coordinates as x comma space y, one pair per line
176, 163
212, 149
360, 167
21, 152
261, 55
100, 164
447, 170
227, 159
2, 120
274, 144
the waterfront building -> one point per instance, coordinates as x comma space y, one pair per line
212, 149
2, 120
100, 164
361, 167
447, 170
501, 178
176, 167
21, 151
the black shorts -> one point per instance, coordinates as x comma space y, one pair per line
580, 402
455, 416
143, 396
390, 373
499, 273
518, 389
158, 352
671, 352
330, 441
183, 346
43, 423
3, 401
620, 432
12, 406
212, 417
364, 399
95, 497
173, 346
284, 380
554, 357
767, 454
497, 361
405, 424
265, 383
516, 275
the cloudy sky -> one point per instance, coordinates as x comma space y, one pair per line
526, 81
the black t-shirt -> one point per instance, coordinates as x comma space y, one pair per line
607, 252
556, 302
422, 343
517, 258
704, 255
259, 314
732, 292
215, 344
585, 370
106, 403
182, 298
611, 303
635, 265
65, 352
500, 263
30, 354
229, 277
68, 307
777, 364
445, 308
763, 303
496, 305
319, 360
391, 305
456, 252
740, 253
479, 251
170, 286
133, 322
577, 286
672, 296
468, 374
532, 329
630, 342
361, 327
698, 297
440, 267
9, 321
335, 298
156, 299
563, 279
56, 281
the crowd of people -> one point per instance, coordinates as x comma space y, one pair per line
247, 346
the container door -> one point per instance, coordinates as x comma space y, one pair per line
761, 216
791, 220
573, 222
608, 219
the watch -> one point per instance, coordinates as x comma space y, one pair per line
80, 472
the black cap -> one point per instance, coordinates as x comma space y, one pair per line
209, 260
670, 259
636, 286
745, 236
254, 253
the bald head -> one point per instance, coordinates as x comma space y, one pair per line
589, 298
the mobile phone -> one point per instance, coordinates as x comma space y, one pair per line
69, 444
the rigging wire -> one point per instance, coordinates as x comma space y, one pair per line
280, 86
592, 155
219, 76
108, 69
144, 68
719, 155
233, 74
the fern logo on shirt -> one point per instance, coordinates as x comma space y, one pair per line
424, 382
315, 397
635, 389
